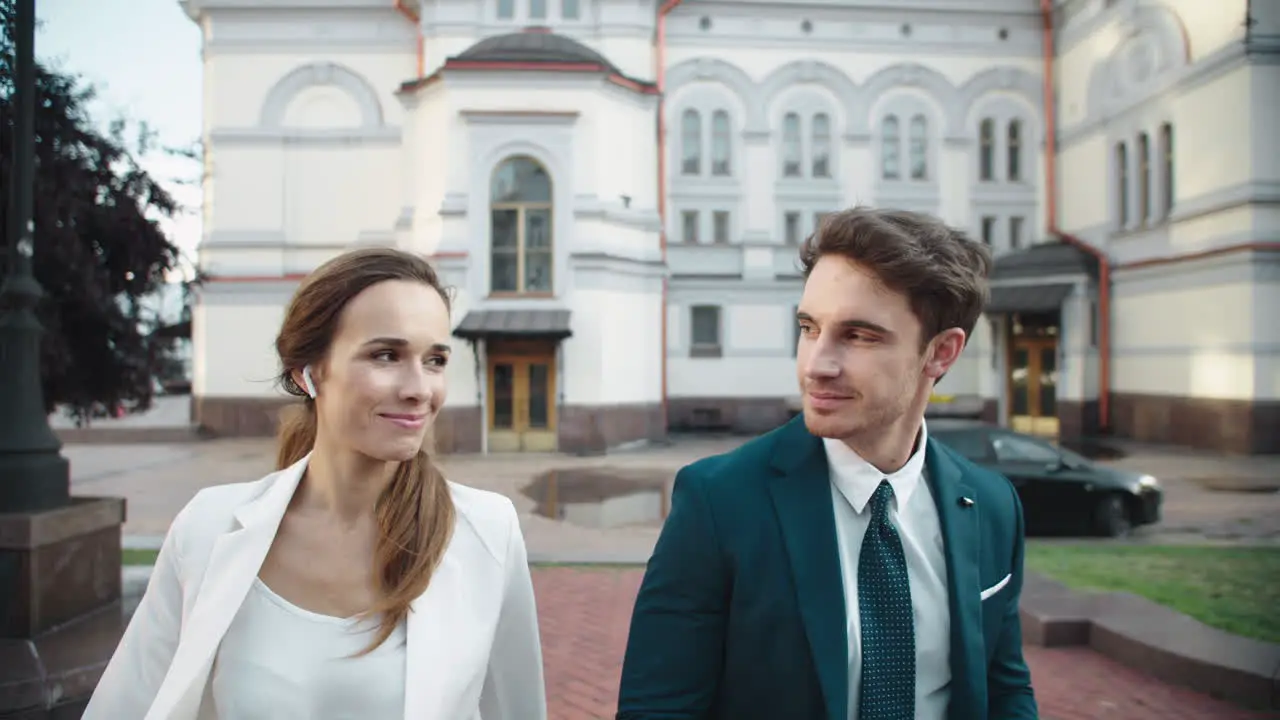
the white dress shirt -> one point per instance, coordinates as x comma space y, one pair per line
913, 513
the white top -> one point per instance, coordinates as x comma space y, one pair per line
913, 513
281, 662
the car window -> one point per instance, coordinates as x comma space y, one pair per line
1011, 448
971, 445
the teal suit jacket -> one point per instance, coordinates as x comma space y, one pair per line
741, 611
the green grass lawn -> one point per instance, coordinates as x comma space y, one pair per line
1236, 589
140, 557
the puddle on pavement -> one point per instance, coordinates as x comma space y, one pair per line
601, 497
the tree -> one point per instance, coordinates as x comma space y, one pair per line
99, 251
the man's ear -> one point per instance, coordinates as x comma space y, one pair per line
943, 351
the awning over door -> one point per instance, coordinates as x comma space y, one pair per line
1027, 298
514, 324
1043, 260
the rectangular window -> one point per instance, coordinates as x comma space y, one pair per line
1144, 178
988, 230
817, 220
704, 321
689, 226
1122, 186
720, 223
1093, 324
506, 9
791, 229
1015, 233
569, 9
1166, 158
537, 9
795, 331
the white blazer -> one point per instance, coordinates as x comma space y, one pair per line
472, 653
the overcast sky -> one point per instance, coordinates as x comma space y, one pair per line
145, 63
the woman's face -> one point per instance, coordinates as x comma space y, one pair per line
382, 383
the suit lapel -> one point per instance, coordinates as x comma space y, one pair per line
233, 563
801, 493
958, 516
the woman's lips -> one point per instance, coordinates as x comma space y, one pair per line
408, 421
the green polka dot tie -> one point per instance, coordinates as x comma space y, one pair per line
888, 688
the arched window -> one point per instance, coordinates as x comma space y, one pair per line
1015, 151
1122, 185
792, 153
521, 214
821, 146
919, 148
720, 148
987, 150
691, 143
890, 149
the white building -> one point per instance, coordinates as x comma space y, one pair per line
617, 189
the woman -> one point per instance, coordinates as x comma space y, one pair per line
353, 582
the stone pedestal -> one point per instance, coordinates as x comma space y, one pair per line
62, 620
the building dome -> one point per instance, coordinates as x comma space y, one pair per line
533, 46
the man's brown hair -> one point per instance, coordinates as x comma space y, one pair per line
939, 268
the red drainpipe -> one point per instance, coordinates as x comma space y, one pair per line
1051, 198
660, 74
415, 18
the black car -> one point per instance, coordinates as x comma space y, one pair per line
1060, 490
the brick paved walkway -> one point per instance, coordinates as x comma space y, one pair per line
584, 615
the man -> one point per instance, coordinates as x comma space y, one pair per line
844, 566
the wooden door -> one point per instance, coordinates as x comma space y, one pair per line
522, 407
1033, 385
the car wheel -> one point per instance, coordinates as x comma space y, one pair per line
1111, 517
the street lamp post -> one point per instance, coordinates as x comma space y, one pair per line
59, 556
33, 474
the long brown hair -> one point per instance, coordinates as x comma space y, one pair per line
415, 512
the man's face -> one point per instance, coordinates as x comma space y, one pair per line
859, 359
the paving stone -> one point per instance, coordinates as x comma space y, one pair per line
585, 613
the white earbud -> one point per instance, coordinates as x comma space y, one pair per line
307, 383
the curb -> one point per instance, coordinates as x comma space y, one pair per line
160, 434
1154, 639
141, 542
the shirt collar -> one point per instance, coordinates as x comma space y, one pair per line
858, 479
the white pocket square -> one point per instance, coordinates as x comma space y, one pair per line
996, 588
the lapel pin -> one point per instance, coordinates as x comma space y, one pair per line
965, 502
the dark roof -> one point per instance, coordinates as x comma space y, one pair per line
533, 46
1035, 298
1056, 257
480, 324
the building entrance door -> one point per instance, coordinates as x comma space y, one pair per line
522, 392
1033, 385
